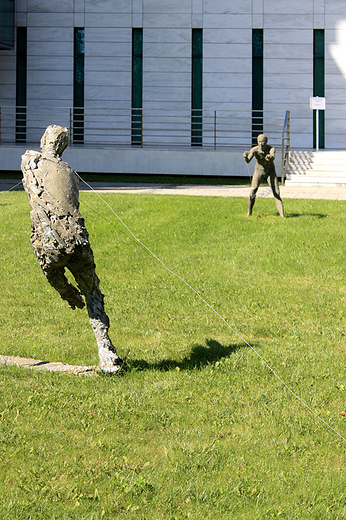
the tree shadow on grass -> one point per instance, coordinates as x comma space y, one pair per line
199, 357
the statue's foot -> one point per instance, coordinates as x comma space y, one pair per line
109, 360
112, 369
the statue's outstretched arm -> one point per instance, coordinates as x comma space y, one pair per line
248, 155
270, 155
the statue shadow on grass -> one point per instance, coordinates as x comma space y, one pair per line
199, 357
313, 215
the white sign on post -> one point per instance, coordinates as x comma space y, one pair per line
317, 103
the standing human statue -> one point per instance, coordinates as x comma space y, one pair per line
264, 171
60, 238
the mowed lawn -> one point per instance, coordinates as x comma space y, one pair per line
198, 426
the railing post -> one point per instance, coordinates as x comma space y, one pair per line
285, 150
283, 160
288, 138
0, 123
214, 129
141, 127
70, 136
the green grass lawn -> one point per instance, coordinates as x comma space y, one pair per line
198, 427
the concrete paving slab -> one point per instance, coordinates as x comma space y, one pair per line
287, 191
47, 365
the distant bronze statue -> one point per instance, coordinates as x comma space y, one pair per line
264, 171
60, 238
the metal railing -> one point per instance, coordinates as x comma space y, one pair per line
285, 146
113, 127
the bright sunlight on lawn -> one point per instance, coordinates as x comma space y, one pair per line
198, 427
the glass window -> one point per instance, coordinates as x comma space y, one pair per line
197, 87
319, 84
21, 66
78, 86
257, 84
137, 85
7, 24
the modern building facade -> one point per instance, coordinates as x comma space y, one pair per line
185, 73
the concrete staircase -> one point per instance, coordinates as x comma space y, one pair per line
311, 168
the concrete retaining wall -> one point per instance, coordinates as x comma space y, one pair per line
145, 161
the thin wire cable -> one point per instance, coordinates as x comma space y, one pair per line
26, 270
199, 296
219, 315
108, 221
249, 172
19, 274
13, 187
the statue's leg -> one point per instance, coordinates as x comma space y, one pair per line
54, 271
274, 184
254, 188
83, 269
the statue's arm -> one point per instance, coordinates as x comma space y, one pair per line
29, 169
249, 155
271, 154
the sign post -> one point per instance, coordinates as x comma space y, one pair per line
317, 103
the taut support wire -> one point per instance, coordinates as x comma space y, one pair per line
26, 270
215, 312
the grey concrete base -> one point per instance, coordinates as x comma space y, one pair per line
47, 365
148, 161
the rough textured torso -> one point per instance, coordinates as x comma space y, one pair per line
263, 167
53, 190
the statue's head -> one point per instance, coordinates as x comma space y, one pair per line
262, 139
54, 140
